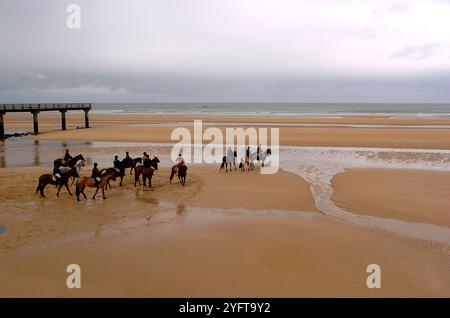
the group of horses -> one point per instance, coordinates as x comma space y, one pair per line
71, 170
249, 159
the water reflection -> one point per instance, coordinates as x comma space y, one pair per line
18, 152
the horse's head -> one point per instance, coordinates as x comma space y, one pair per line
78, 158
155, 162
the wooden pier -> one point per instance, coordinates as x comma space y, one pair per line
35, 109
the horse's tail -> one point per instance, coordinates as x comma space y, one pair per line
38, 187
77, 188
172, 173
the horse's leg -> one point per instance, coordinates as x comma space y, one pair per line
144, 182
41, 189
103, 193
59, 189
67, 187
172, 173
121, 178
95, 193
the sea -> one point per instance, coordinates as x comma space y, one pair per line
432, 110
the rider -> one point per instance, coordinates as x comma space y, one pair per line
57, 174
117, 163
147, 162
67, 157
144, 155
96, 174
180, 161
127, 157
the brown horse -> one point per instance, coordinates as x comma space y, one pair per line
84, 182
46, 179
181, 172
146, 173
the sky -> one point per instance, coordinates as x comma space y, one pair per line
225, 51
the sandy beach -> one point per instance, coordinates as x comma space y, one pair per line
148, 128
239, 234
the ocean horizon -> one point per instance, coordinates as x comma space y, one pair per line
276, 109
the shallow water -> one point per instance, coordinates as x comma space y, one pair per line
3, 228
317, 165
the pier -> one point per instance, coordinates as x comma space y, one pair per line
35, 109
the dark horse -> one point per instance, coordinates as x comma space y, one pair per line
131, 163
119, 172
65, 176
147, 173
72, 162
181, 172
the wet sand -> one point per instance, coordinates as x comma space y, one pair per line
411, 195
173, 242
142, 128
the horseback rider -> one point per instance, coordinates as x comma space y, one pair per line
67, 157
147, 162
96, 174
127, 157
57, 174
117, 164
144, 155
179, 162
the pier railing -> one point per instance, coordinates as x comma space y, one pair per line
36, 108
44, 107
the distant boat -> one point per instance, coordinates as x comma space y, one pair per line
205, 106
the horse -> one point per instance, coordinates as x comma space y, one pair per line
146, 173
131, 163
263, 156
120, 170
250, 159
46, 179
70, 163
84, 182
181, 172
229, 159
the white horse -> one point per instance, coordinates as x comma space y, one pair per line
229, 159
250, 159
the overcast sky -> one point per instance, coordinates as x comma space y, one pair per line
225, 51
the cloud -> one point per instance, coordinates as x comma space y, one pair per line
220, 50
417, 53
